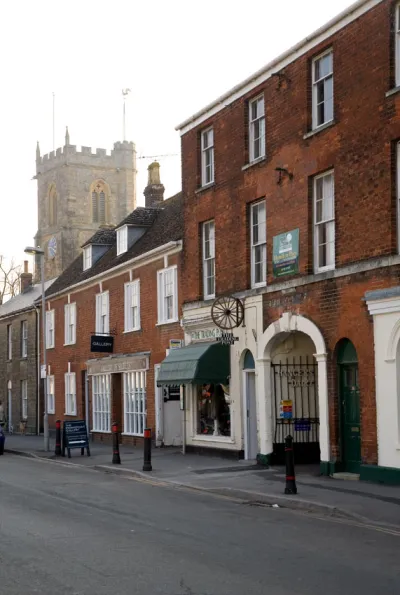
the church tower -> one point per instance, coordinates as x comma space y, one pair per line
78, 192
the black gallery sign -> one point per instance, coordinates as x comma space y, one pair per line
101, 344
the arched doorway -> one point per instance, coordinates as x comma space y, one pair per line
349, 399
277, 332
249, 407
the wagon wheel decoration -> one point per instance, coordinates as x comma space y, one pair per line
227, 312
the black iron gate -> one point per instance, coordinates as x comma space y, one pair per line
295, 408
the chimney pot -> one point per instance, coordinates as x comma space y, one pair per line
154, 191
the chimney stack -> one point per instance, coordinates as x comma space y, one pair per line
154, 191
25, 278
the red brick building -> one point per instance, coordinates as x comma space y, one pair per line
123, 290
291, 201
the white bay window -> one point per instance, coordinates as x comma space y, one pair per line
324, 222
209, 259
256, 129
258, 239
70, 324
70, 393
101, 402
132, 306
167, 293
322, 82
134, 403
103, 313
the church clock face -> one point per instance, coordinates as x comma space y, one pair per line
52, 247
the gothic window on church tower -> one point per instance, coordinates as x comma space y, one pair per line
52, 206
98, 203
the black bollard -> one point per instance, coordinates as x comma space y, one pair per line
116, 458
147, 450
290, 474
57, 451
2, 441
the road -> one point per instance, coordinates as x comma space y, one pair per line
74, 531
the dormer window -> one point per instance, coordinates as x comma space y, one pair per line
122, 240
87, 258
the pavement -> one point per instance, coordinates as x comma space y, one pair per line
244, 480
71, 530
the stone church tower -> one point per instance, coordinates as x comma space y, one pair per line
78, 192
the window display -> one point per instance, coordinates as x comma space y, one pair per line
213, 410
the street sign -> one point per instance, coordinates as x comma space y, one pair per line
101, 344
175, 343
286, 409
75, 436
43, 371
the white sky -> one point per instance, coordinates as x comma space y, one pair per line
175, 55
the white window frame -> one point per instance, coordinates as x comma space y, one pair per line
257, 129
328, 221
316, 83
9, 342
51, 404
50, 330
70, 324
101, 403
162, 297
24, 399
87, 257
208, 242
135, 403
24, 338
70, 393
103, 313
257, 241
207, 157
132, 306
122, 240
398, 193
397, 45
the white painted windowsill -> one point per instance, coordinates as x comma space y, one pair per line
100, 431
132, 435
132, 330
254, 162
315, 131
69, 344
71, 414
204, 188
174, 321
393, 91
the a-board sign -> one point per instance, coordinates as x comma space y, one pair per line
75, 436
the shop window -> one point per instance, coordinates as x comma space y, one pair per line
213, 410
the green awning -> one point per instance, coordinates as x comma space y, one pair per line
198, 363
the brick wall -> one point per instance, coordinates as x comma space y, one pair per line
151, 338
360, 148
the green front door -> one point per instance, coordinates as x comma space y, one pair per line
350, 409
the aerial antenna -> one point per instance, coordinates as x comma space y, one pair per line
125, 93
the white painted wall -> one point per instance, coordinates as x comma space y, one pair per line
386, 316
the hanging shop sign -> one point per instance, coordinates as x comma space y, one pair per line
227, 312
101, 344
285, 255
227, 338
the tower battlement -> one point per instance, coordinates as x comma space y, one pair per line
121, 156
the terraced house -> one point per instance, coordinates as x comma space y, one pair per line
291, 211
112, 317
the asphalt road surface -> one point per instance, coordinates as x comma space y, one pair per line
71, 531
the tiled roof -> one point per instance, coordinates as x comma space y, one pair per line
103, 237
167, 227
141, 216
24, 300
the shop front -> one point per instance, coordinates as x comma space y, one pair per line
218, 382
118, 389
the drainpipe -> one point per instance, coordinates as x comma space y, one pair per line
38, 367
